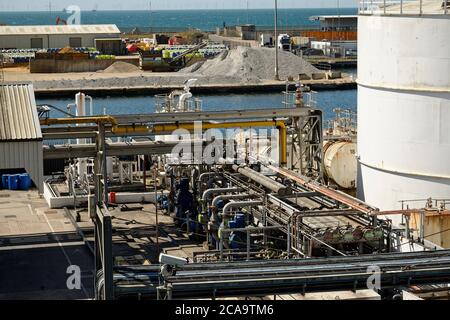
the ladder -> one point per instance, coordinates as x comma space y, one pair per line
2, 76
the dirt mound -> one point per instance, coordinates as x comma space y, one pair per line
121, 67
253, 64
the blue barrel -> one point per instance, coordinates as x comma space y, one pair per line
5, 181
24, 182
13, 182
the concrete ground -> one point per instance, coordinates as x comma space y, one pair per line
38, 244
40, 273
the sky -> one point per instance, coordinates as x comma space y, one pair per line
43, 5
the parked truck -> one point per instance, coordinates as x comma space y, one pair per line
267, 40
284, 42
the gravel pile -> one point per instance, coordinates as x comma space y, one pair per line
121, 67
240, 66
252, 64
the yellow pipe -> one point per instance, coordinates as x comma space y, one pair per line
280, 125
130, 129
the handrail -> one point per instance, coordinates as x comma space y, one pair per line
401, 7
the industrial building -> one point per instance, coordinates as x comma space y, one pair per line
20, 132
58, 36
338, 22
404, 104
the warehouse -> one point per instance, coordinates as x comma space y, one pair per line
59, 36
20, 132
337, 23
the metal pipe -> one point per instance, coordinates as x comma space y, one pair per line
132, 129
267, 182
256, 278
99, 120
208, 193
91, 105
70, 106
251, 229
242, 204
226, 210
203, 177
225, 113
79, 120
192, 127
231, 197
333, 194
114, 149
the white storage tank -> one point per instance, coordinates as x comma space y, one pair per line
403, 102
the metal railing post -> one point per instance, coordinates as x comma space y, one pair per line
221, 235
289, 239
401, 6
248, 245
384, 6
446, 7
421, 7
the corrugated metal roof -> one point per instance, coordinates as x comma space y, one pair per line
60, 29
18, 114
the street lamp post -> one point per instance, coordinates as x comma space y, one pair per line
277, 75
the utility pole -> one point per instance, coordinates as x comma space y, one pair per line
50, 9
248, 16
150, 26
277, 74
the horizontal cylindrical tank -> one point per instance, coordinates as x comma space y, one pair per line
340, 163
